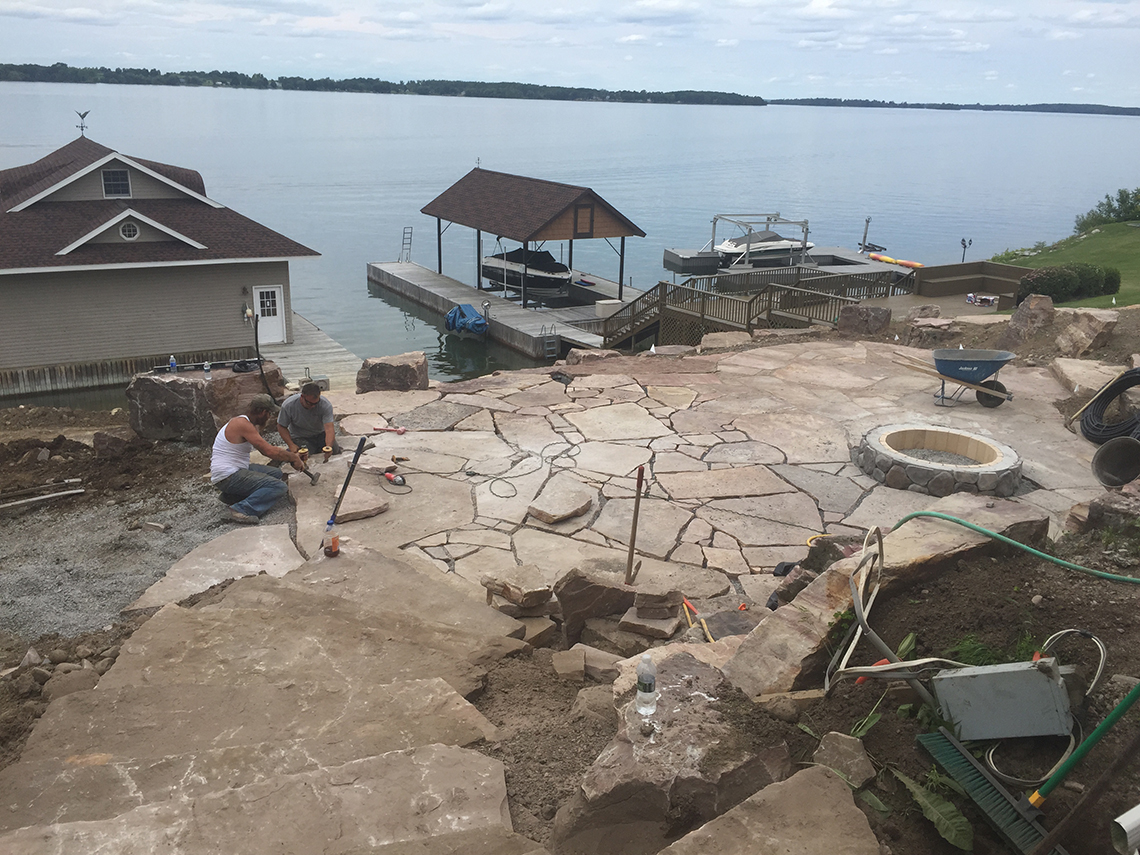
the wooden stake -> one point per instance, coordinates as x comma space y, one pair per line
35, 499
633, 528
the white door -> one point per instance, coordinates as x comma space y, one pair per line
270, 307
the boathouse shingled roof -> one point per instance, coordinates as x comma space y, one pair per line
41, 228
524, 209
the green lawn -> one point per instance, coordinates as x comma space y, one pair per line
1115, 245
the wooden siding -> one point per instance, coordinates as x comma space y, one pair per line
90, 187
101, 315
605, 224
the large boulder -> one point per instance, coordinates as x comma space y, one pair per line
864, 320
1090, 329
400, 373
685, 764
1036, 311
228, 393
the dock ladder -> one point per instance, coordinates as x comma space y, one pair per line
550, 341
406, 246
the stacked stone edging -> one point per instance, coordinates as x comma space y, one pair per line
903, 472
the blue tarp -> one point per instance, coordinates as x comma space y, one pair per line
464, 318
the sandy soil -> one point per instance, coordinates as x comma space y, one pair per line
55, 549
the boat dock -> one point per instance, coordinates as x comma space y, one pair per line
313, 350
540, 334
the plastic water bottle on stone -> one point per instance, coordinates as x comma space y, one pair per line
206, 371
646, 686
173, 364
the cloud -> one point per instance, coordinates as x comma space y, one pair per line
660, 12
727, 43
633, 39
1062, 35
975, 16
71, 15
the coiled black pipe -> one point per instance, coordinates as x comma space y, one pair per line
1093, 426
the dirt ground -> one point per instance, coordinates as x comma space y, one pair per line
987, 606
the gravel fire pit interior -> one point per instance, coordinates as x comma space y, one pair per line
938, 461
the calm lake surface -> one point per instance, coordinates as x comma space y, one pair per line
345, 173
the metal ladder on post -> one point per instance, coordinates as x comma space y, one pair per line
406, 246
551, 341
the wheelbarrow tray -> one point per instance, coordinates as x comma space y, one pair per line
990, 393
970, 366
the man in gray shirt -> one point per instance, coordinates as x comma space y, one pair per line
306, 420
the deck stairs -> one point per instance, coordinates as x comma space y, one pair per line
276, 717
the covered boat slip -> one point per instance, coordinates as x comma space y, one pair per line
532, 333
530, 211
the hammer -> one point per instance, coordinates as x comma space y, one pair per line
314, 477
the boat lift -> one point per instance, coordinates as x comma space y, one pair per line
756, 222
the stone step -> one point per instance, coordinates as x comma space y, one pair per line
400, 800
267, 630
385, 581
97, 753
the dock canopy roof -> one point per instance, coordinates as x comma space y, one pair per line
528, 209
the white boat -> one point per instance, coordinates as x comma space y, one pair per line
758, 244
545, 277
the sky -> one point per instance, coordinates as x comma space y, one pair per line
1017, 52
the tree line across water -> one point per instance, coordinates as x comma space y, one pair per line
62, 73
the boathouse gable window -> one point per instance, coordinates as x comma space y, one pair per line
116, 184
583, 221
129, 231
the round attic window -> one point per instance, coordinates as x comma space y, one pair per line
129, 231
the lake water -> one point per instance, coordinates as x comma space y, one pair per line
345, 173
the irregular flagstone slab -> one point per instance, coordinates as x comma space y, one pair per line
473, 445
360, 505
417, 461
267, 636
500, 383
885, 506
764, 558
101, 754
480, 421
618, 421
387, 403
677, 462
433, 505
811, 812
827, 375
609, 458
381, 581
510, 496
748, 451
770, 658
485, 402
362, 425
831, 492
244, 551
638, 784
719, 483
362, 805
793, 509
562, 497
545, 395
728, 560
530, 433
481, 537
659, 524
804, 437
759, 359
677, 397
438, 415
700, 420
601, 381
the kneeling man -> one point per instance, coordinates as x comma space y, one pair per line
306, 421
258, 487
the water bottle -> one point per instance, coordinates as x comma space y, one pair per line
173, 364
646, 686
331, 541
206, 371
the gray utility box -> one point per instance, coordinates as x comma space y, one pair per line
1005, 701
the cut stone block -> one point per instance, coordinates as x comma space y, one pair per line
570, 665
600, 665
360, 505
650, 628
521, 585
846, 755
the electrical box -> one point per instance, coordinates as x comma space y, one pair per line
1005, 701
321, 380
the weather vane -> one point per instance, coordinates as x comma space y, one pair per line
82, 125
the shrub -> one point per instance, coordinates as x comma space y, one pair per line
1090, 279
1111, 280
1059, 283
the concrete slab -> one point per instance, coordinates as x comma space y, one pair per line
244, 551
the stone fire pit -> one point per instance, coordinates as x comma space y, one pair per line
938, 461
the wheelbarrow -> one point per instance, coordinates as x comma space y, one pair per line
970, 369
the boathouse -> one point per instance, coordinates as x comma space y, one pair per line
110, 264
530, 211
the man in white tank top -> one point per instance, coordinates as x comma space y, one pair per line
256, 488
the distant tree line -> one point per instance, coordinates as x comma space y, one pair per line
63, 73
1005, 108
1125, 207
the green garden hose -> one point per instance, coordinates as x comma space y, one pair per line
1100, 574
